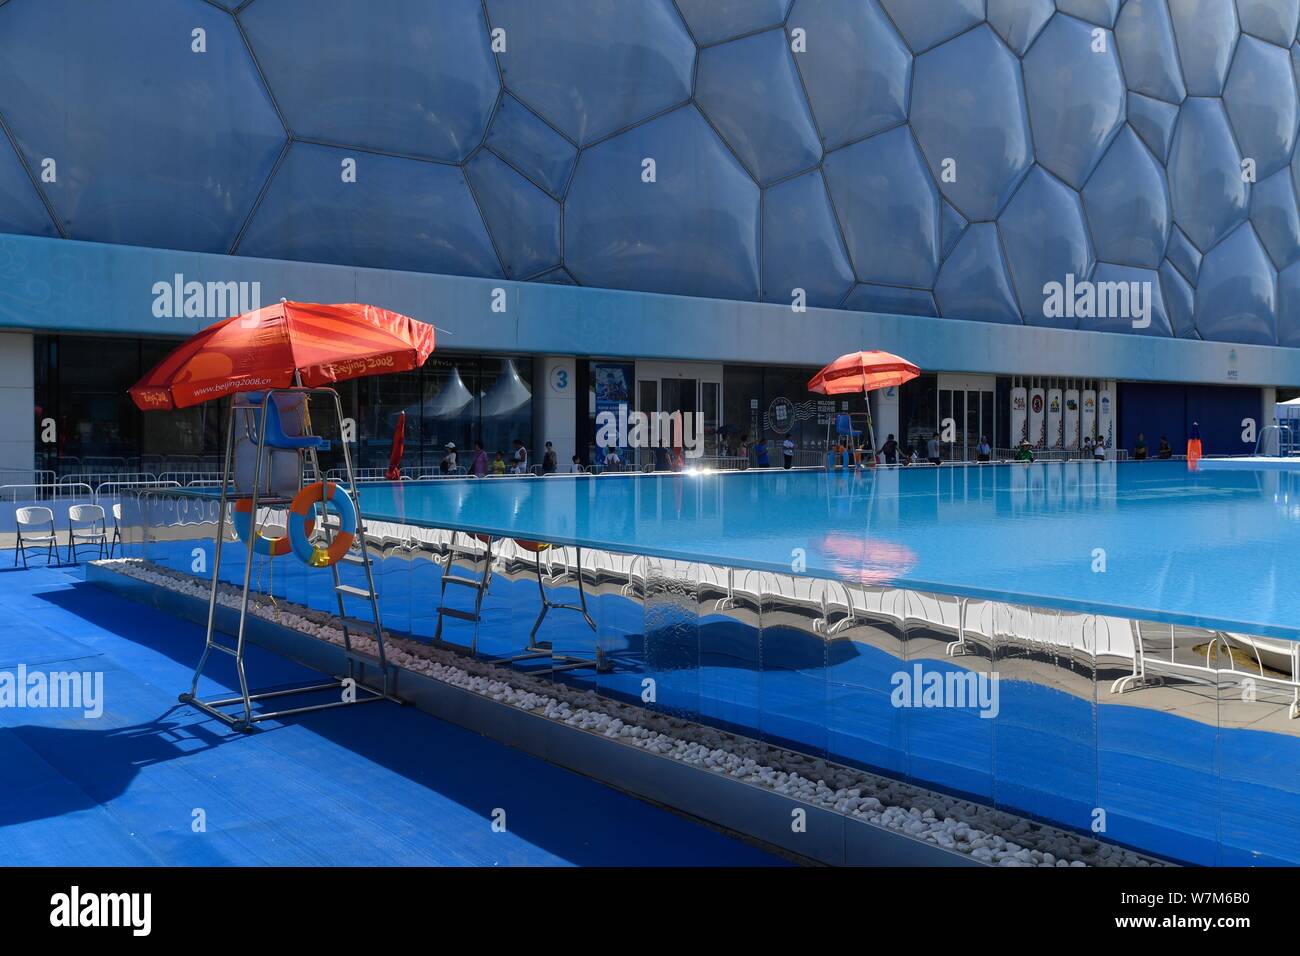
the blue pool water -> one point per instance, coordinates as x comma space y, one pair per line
1209, 549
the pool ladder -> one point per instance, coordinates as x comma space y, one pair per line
479, 585
535, 650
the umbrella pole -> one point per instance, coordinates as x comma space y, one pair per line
871, 429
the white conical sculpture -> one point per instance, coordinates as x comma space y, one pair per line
450, 401
507, 394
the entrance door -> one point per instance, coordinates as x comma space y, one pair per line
692, 388
966, 404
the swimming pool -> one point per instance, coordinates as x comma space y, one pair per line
1135, 539
1160, 692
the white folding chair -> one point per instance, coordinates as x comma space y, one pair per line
86, 525
40, 521
117, 528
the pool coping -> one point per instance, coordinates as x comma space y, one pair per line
752, 812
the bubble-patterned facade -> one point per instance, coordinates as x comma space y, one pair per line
919, 157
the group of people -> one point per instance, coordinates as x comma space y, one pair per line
1140, 452
480, 465
762, 456
1095, 451
891, 453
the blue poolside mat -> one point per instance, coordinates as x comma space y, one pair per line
377, 784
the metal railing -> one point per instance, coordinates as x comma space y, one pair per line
1062, 454
45, 491
112, 489
95, 478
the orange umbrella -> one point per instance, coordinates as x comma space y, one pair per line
863, 372
290, 343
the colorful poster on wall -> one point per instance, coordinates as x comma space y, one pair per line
1055, 429
1037, 416
1019, 414
612, 382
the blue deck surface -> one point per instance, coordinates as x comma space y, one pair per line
1199, 548
376, 784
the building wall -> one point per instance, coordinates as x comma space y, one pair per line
16, 400
918, 157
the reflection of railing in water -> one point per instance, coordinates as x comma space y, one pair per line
1146, 666
834, 607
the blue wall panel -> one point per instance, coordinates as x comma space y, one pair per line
1170, 410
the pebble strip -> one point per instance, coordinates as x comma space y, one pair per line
988, 835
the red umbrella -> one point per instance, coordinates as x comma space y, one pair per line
863, 372
290, 343
399, 448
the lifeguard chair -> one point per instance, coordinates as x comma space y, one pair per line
840, 432
270, 451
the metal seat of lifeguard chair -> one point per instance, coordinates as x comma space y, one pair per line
844, 426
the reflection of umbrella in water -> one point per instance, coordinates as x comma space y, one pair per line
861, 559
507, 394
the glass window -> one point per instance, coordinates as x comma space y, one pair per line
920, 405
506, 407
81, 382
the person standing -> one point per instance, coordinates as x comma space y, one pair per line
548, 460
479, 465
1164, 451
1099, 451
1140, 448
519, 459
890, 450
787, 453
983, 451
932, 450
448, 463
760, 452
